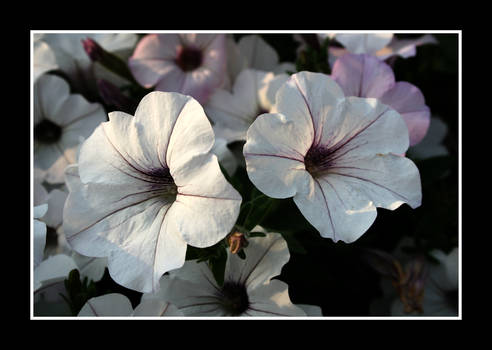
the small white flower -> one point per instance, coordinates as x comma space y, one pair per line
253, 94
145, 187
336, 156
61, 120
118, 305
248, 288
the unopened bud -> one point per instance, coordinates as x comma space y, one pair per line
236, 242
93, 49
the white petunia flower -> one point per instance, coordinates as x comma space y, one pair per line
248, 288
118, 305
61, 120
336, 156
145, 187
233, 112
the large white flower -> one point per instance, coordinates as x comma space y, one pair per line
336, 156
145, 187
248, 288
118, 305
233, 112
61, 121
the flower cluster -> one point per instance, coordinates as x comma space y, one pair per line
188, 174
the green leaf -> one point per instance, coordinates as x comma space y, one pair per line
217, 265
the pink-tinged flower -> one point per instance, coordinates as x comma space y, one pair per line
335, 155
367, 76
146, 186
191, 64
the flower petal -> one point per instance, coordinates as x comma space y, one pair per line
265, 257
404, 47
336, 210
237, 110
363, 75
50, 93
138, 145
342, 203
134, 232
204, 195
157, 308
364, 43
192, 299
274, 154
54, 269
364, 126
311, 100
90, 267
272, 300
258, 53
409, 101
107, 305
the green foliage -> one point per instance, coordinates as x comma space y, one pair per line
314, 59
78, 291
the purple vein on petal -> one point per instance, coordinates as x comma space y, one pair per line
294, 78
257, 263
121, 155
172, 131
272, 155
69, 238
197, 304
209, 197
157, 241
92, 308
327, 208
374, 183
358, 132
324, 179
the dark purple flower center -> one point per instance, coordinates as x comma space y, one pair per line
318, 159
47, 132
189, 58
163, 182
234, 298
